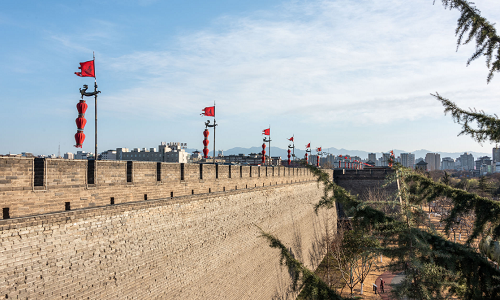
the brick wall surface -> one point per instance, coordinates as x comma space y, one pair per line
359, 182
66, 181
204, 246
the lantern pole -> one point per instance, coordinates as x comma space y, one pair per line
269, 141
95, 98
207, 124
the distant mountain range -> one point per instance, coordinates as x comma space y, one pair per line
363, 154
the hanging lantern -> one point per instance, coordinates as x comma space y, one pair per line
80, 123
263, 153
317, 162
82, 107
205, 143
289, 160
79, 138
306, 158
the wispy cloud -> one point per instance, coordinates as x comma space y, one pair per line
330, 60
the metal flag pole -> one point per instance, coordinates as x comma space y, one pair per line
95, 98
270, 157
215, 124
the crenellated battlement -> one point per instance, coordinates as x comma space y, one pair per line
32, 186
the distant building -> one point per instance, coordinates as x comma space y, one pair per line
408, 160
421, 165
84, 155
171, 152
448, 163
497, 167
466, 162
372, 157
108, 155
384, 160
251, 159
496, 154
484, 165
69, 155
433, 161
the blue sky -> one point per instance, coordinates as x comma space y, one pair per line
344, 74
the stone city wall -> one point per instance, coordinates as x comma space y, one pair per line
202, 246
38, 186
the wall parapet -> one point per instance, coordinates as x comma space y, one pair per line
31, 186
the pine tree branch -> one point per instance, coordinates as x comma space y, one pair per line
312, 286
488, 127
488, 211
474, 26
439, 268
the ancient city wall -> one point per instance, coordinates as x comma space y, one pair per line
360, 182
37, 186
202, 246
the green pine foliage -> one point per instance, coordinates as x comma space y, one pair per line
303, 279
435, 268
472, 26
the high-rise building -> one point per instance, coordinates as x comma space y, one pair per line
496, 154
69, 155
384, 160
433, 161
466, 162
482, 163
448, 163
372, 157
408, 160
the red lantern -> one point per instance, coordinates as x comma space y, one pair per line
79, 138
263, 153
205, 152
80, 122
205, 143
289, 160
317, 162
206, 133
306, 158
81, 107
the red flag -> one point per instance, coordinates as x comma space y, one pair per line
208, 111
318, 149
87, 69
308, 145
266, 131
291, 139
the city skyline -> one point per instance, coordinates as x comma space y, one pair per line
353, 75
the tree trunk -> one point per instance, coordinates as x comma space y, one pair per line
361, 288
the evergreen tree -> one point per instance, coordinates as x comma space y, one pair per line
435, 267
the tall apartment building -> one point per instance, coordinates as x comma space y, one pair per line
433, 161
482, 163
496, 154
372, 157
448, 163
466, 162
384, 160
408, 160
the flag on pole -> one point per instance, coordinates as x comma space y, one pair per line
208, 111
87, 69
266, 131
308, 145
291, 139
318, 149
